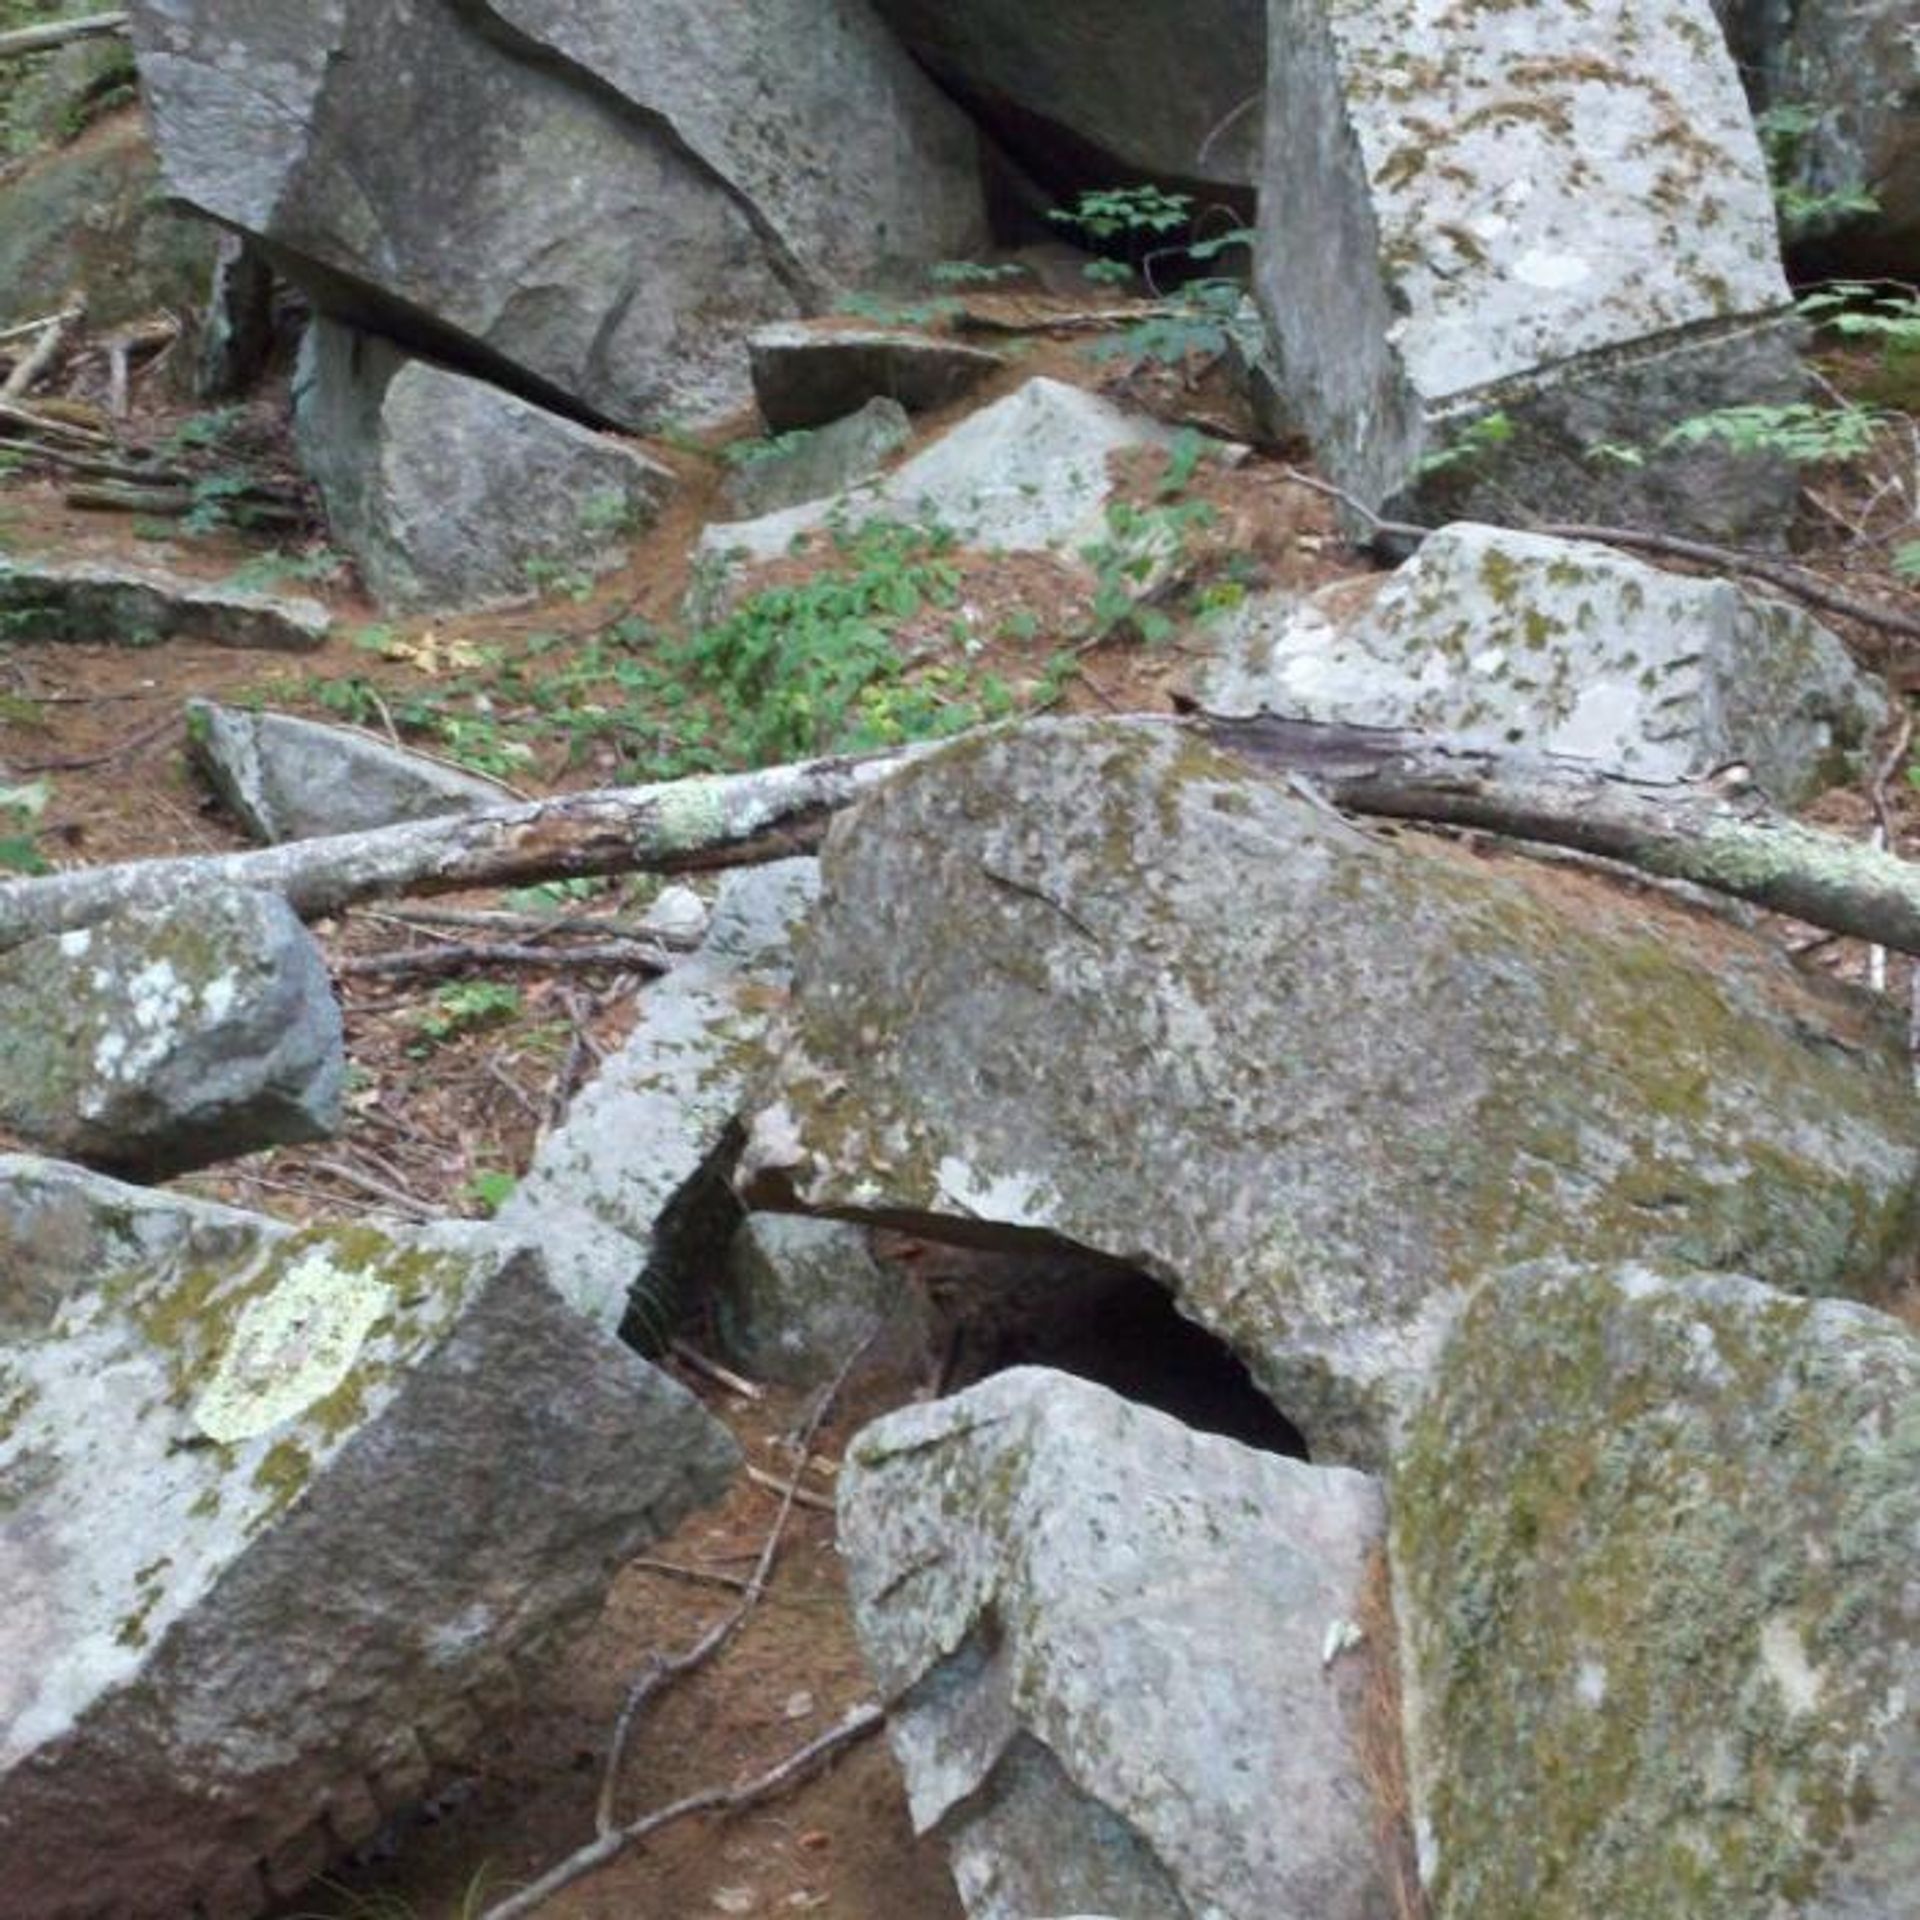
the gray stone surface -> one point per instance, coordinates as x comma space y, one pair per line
1560, 647
819, 461
449, 492
802, 1296
807, 376
1654, 1545
284, 778
1485, 212
616, 1190
97, 604
595, 201
1102, 1639
281, 1508
161, 1039
1090, 979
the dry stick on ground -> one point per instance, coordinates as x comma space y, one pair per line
77, 762
626, 955
43, 353
22, 328
56, 33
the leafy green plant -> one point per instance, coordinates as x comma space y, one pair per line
1801, 432
20, 807
750, 453
463, 1006
892, 313
549, 577
1107, 213
1885, 314
490, 1189
1141, 545
1784, 129
1472, 443
973, 273
265, 571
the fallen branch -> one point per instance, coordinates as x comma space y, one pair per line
56, 33
674, 827
22, 328
463, 956
39, 357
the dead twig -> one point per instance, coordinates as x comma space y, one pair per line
56, 33
40, 357
696, 1576
690, 1356
461, 956
77, 762
790, 1490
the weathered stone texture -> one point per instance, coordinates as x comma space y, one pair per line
807, 376
95, 604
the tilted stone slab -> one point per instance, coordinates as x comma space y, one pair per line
1561, 647
1104, 1642
166, 1038
820, 462
281, 1507
1090, 979
102, 605
1547, 213
1654, 1546
808, 376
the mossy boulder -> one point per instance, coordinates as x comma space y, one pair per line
1654, 1540
1090, 979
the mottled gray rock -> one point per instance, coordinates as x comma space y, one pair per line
1654, 1546
284, 778
621, 1186
450, 492
1561, 647
1091, 979
820, 461
1154, 87
802, 1296
807, 376
161, 1039
96, 604
1484, 212
1103, 1641
281, 1507
591, 201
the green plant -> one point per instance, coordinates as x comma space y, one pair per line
463, 1006
1886, 314
549, 577
20, 807
490, 1189
1141, 547
1107, 213
1801, 432
1471, 443
893, 313
606, 511
750, 453
1784, 129
266, 571
973, 273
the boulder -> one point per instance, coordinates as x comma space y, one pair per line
1492, 248
1653, 1544
622, 1192
165, 1038
1104, 1644
282, 1510
97, 604
817, 462
593, 203
808, 376
1561, 647
284, 778
449, 492
1090, 979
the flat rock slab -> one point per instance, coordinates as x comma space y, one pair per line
1090, 979
162, 1039
1654, 1547
1503, 211
818, 462
282, 1508
807, 376
1561, 647
112, 606
616, 1189
1103, 1642
284, 778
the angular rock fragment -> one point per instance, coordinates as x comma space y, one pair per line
807, 376
1654, 1547
1104, 1641
284, 778
819, 461
1498, 245
449, 492
282, 1508
162, 1039
1089, 979
1561, 647
95, 604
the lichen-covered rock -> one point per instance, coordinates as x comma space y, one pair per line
165, 1038
278, 1508
807, 376
621, 1187
1104, 1641
1654, 1541
99, 605
592, 202
820, 461
449, 492
1555, 221
1088, 978
1561, 647
284, 778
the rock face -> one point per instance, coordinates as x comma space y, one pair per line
1109, 88
1339, 1077
162, 1039
1490, 216
1103, 1641
1562, 647
1654, 1544
286, 779
805, 377
449, 492
821, 461
590, 202
614, 1192
281, 1507
97, 605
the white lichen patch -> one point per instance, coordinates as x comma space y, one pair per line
1784, 1655
74, 944
1012, 1199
